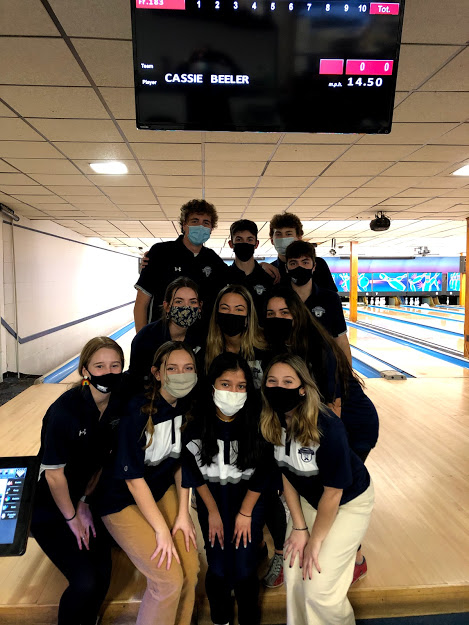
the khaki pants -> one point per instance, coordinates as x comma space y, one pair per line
170, 595
323, 600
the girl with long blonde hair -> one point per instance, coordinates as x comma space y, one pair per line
327, 489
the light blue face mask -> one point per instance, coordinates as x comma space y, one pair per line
282, 244
198, 235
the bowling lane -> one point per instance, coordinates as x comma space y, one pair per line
431, 335
456, 325
405, 358
437, 313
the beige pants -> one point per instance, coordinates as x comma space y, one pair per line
170, 595
323, 600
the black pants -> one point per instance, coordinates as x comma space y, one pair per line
276, 519
88, 572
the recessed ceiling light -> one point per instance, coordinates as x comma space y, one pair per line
462, 171
109, 167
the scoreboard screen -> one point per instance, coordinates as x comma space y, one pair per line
266, 65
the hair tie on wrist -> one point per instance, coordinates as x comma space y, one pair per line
300, 529
71, 518
246, 515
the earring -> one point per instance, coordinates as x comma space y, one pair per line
85, 381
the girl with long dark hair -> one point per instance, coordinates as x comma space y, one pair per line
226, 462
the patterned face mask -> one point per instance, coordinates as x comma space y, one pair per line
184, 316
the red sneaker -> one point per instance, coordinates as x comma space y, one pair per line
359, 571
274, 576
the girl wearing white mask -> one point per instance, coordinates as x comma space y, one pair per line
226, 461
142, 501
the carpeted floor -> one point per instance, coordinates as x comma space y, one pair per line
435, 619
11, 386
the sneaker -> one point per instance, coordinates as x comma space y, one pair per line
274, 576
359, 571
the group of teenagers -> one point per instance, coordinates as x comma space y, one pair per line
240, 391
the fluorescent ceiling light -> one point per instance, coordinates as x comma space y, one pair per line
462, 171
109, 167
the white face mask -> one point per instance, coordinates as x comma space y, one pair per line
229, 402
180, 384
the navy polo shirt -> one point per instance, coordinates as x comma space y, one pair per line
331, 463
326, 307
156, 464
322, 274
172, 259
258, 283
360, 418
147, 341
75, 437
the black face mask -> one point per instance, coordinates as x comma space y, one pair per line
282, 399
106, 383
244, 251
300, 275
277, 330
231, 325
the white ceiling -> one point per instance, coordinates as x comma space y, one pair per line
66, 99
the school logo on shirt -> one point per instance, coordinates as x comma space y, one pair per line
207, 271
318, 311
306, 454
82, 432
260, 289
177, 268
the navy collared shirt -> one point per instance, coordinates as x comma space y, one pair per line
258, 283
326, 307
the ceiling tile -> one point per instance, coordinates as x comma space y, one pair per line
136, 135
409, 133
110, 63
121, 101
189, 192
134, 180
238, 152
285, 181
43, 165
325, 139
230, 182
431, 21
433, 107
40, 199
88, 18
6, 168
76, 179
42, 61
453, 77
356, 168
167, 151
242, 137
64, 190
395, 182
438, 153
289, 192
172, 168
216, 193
15, 129
175, 181
457, 136
296, 168
417, 63
16, 179
308, 152
234, 168
377, 153
79, 200
70, 102
415, 169
27, 149
77, 129
25, 17
95, 151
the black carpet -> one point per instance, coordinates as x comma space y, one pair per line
435, 619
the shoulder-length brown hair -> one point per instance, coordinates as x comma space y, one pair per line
304, 421
153, 393
251, 338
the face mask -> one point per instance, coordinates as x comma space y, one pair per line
282, 244
180, 384
231, 325
277, 329
244, 251
300, 275
198, 235
184, 316
229, 402
105, 383
282, 399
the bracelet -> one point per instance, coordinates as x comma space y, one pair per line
300, 529
71, 519
246, 515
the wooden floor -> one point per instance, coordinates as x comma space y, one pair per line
417, 546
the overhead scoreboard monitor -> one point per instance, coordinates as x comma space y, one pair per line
266, 65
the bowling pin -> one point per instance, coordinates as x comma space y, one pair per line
447, 301
372, 301
411, 303
406, 302
417, 301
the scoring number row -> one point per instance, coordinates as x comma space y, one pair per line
362, 8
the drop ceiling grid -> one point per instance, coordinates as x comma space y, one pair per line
443, 60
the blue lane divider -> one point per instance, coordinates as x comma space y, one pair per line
62, 372
367, 371
411, 323
426, 350
410, 312
407, 375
